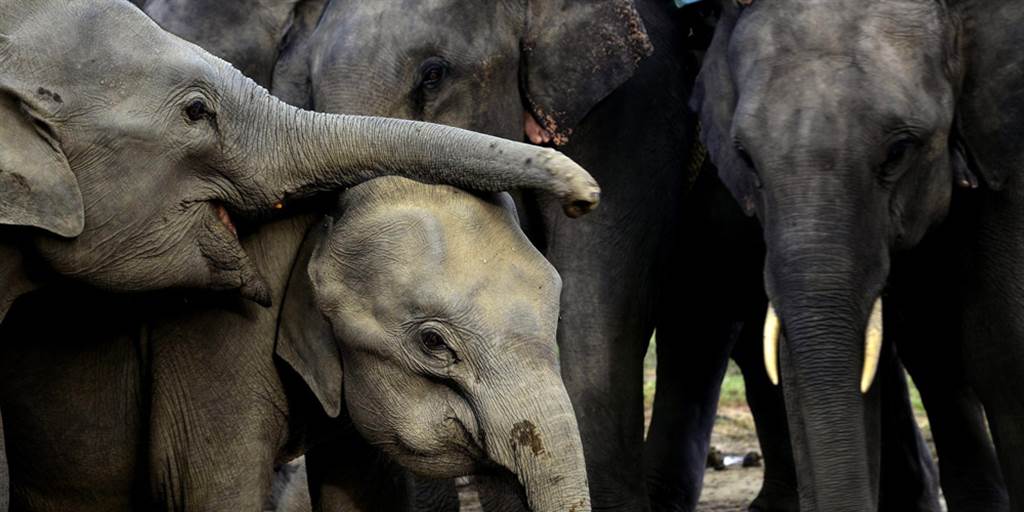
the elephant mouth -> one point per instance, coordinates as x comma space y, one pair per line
229, 264
225, 218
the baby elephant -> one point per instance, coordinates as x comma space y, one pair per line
428, 300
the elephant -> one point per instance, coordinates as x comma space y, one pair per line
419, 315
428, 70
719, 314
876, 144
605, 322
132, 158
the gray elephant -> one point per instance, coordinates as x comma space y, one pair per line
135, 153
420, 314
128, 155
470, 76
847, 128
637, 136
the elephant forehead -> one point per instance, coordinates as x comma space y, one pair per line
108, 47
895, 32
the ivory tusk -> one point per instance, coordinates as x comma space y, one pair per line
872, 347
771, 345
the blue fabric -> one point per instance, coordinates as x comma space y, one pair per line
680, 3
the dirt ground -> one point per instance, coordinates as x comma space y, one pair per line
732, 489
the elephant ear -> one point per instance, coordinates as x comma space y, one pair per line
990, 115
305, 339
37, 187
715, 97
575, 53
292, 72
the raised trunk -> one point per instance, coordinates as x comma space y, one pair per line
295, 152
535, 436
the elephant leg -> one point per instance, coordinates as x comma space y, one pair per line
908, 479
927, 339
993, 320
689, 381
218, 416
710, 291
779, 488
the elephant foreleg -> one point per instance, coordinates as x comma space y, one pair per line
928, 343
992, 326
778, 488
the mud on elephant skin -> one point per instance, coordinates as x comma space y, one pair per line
429, 300
846, 126
96, 123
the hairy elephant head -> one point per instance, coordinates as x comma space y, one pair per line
464, 63
138, 152
444, 316
845, 125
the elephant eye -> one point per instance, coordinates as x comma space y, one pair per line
197, 110
433, 342
898, 150
434, 345
432, 73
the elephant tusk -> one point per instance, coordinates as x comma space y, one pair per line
872, 347
771, 345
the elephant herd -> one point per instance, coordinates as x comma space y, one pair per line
237, 232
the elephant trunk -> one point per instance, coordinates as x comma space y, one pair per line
824, 290
535, 436
317, 151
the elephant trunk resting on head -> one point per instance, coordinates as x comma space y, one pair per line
844, 126
426, 304
481, 66
135, 153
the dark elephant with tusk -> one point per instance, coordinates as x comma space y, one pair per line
419, 315
133, 153
877, 143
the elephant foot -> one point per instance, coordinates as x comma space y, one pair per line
775, 500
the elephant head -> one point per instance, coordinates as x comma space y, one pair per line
135, 152
248, 34
845, 125
463, 63
444, 317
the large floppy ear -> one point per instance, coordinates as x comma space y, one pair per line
990, 115
576, 52
715, 97
292, 72
37, 187
305, 339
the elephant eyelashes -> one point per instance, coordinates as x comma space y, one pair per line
197, 110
